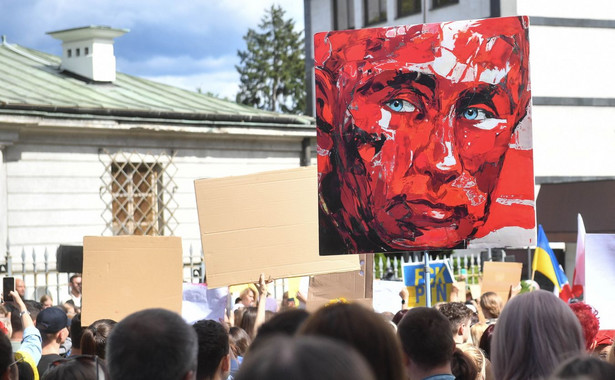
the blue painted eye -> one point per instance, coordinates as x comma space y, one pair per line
474, 113
400, 105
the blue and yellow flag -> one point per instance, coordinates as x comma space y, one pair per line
546, 263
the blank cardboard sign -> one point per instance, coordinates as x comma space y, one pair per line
263, 223
124, 274
499, 277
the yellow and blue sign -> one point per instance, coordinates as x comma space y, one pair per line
441, 280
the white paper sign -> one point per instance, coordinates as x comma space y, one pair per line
198, 302
600, 277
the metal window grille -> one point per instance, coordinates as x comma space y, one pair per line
138, 193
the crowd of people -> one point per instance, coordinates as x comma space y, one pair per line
534, 336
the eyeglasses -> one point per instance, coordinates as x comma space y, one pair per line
100, 369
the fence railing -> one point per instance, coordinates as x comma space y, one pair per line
37, 267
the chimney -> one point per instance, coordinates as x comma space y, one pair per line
88, 51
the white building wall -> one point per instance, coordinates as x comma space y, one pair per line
52, 191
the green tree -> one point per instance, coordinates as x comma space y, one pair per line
272, 68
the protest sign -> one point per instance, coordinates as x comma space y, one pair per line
355, 286
198, 303
441, 280
498, 277
263, 223
600, 276
124, 274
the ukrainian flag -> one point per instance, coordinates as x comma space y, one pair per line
546, 263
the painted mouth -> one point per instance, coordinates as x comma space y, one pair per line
424, 214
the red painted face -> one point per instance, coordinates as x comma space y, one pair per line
419, 130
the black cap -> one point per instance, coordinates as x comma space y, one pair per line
51, 320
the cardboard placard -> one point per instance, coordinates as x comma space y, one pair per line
355, 286
475, 290
124, 274
263, 223
499, 277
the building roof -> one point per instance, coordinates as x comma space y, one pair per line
32, 83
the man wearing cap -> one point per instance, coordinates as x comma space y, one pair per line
52, 323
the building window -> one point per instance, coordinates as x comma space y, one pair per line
375, 11
443, 3
343, 14
86, 51
408, 7
69, 53
77, 52
138, 194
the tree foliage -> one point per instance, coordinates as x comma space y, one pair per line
272, 68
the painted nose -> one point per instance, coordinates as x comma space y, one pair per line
439, 159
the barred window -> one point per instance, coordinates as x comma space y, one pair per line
343, 14
408, 7
138, 194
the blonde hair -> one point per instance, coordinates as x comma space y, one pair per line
477, 357
491, 304
477, 331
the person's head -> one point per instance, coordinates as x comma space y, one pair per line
76, 332
477, 356
491, 304
16, 324
46, 301
94, 337
52, 323
588, 317
584, 368
414, 124
213, 357
459, 316
69, 308
604, 340
285, 322
364, 330
75, 283
463, 367
534, 334
33, 307
152, 344
20, 288
247, 297
248, 320
426, 339
7, 369
476, 331
239, 341
80, 367
304, 358
25, 370
485, 340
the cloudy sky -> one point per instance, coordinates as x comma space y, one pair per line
186, 43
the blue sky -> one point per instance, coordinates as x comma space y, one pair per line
186, 43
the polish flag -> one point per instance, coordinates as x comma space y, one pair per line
578, 279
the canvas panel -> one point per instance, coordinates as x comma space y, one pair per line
424, 137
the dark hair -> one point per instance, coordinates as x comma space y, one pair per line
76, 331
398, 316
457, 313
6, 353
584, 367
286, 322
248, 320
426, 337
15, 318
151, 344
363, 329
94, 338
462, 366
213, 347
80, 367
25, 370
534, 334
485, 340
239, 341
304, 358
74, 276
33, 307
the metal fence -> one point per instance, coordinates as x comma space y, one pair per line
37, 267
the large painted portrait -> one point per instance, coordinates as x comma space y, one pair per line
424, 137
